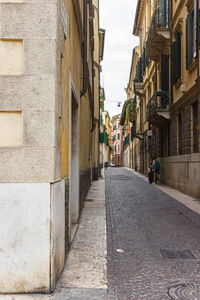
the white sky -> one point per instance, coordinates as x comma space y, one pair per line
117, 18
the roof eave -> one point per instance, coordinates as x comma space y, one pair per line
136, 29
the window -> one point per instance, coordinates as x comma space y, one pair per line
118, 147
165, 80
176, 59
115, 149
189, 40
118, 136
194, 127
179, 134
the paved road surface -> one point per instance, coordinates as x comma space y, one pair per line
143, 221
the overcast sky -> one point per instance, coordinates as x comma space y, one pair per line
117, 18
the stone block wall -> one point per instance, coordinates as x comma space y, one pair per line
31, 44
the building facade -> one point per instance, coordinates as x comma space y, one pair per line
167, 84
105, 139
117, 141
49, 116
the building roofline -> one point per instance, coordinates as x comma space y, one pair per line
135, 27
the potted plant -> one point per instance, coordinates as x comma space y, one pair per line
130, 111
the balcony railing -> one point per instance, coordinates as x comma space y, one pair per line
160, 22
161, 103
158, 106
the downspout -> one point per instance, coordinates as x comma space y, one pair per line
171, 42
197, 41
85, 26
99, 169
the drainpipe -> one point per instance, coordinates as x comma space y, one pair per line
171, 42
85, 21
99, 169
156, 81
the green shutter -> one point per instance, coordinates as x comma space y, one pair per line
143, 62
174, 63
102, 137
189, 41
165, 73
137, 72
178, 54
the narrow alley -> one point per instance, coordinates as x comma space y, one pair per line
97, 98
159, 237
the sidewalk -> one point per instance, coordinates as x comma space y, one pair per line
190, 202
85, 273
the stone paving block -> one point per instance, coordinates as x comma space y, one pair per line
142, 220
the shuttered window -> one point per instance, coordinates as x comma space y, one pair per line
165, 80
176, 58
143, 62
189, 40
174, 63
179, 134
178, 54
165, 73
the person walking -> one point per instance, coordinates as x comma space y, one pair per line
155, 169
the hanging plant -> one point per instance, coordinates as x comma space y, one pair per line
130, 111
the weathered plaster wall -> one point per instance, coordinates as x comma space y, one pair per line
25, 237
57, 230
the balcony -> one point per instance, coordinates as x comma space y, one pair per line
157, 111
138, 88
159, 34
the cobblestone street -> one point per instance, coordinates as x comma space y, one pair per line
160, 239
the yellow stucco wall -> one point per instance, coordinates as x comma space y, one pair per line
85, 132
72, 63
188, 77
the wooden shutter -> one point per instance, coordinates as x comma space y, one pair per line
136, 74
189, 40
143, 62
174, 63
178, 55
165, 73
140, 69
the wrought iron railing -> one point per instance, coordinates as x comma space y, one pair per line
155, 104
160, 20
